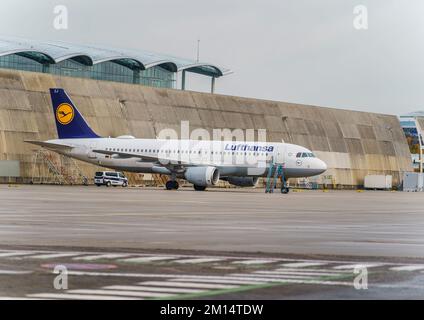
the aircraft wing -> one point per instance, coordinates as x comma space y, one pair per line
126, 155
49, 145
161, 161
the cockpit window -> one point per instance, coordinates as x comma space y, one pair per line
305, 155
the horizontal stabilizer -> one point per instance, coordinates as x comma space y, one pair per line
49, 145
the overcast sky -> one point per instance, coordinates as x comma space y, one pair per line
303, 51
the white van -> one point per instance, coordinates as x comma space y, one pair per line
110, 178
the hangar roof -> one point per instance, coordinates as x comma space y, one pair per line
51, 52
413, 114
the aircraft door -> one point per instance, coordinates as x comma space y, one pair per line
281, 154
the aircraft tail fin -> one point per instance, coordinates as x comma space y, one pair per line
69, 121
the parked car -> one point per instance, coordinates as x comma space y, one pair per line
110, 178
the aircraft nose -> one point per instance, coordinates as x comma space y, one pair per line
322, 166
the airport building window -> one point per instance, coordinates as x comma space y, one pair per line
108, 71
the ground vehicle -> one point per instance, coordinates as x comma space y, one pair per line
110, 178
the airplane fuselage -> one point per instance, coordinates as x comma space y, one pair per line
231, 158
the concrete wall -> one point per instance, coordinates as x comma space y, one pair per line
354, 144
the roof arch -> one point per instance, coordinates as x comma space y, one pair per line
206, 69
51, 52
126, 61
78, 57
38, 56
165, 64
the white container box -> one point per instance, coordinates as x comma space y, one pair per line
378, 182
413, 182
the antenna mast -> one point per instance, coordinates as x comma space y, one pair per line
198, 49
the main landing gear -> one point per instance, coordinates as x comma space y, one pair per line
199, 188
172, 185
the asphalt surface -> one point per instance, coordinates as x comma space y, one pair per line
242, 244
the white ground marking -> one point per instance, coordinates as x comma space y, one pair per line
254, 261
15, 253
241, 277
54, 255
76, 296
182, 256
18, 298
199, 260
139, 294
279, 275
300, 273
222, 281
148, 259
187, 284
115, 274
408, 268
331, 283
303, 264
359, 264
313, 270
11, 272
103, 256
236, 277
154, 289
270, 277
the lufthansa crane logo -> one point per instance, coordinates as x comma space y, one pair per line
65, 113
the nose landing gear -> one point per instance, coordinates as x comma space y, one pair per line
172, 185
285, 190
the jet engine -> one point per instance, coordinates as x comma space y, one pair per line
202, 176
243, 181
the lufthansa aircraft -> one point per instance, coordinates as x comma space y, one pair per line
201, 163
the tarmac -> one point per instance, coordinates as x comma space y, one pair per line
222, 243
